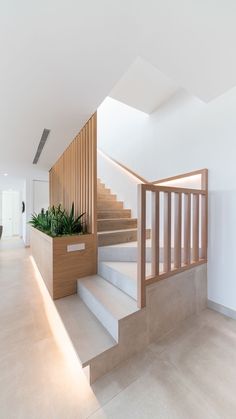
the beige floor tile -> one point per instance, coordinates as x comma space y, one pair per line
158, 393
191, 373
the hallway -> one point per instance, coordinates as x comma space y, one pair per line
190, 374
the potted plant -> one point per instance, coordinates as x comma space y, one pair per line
56, 222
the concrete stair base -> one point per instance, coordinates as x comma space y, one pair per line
106, 302
88, 336
114, 273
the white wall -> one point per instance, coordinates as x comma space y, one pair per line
40, 195
185, 135
118, 180
36, 197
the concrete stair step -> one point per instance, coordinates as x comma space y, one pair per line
123, 252
89, 338
128, 252
111, 213
116, 224
116, 274
107, 238
123, 275
109, 205
106, 302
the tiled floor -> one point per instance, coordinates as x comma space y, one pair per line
190, 374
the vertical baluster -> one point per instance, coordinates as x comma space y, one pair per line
177, 230
187, 228
155, 234
203, 226
167, 232
195, 227
141, 245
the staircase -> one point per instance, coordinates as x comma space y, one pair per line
115, 224
103, 321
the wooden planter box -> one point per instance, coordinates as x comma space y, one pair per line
59, 264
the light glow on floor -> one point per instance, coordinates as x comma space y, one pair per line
58, 330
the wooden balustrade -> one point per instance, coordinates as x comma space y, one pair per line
179, 237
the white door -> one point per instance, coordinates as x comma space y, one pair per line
10, 213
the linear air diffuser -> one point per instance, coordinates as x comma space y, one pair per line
41, 145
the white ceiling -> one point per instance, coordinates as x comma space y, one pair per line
143, 87
60, 59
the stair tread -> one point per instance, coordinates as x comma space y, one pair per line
123, 214
86, 333
116, 302
129, 244
117, 219
108, 200
117, 231
110, 210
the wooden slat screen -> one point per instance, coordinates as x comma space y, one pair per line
73, 178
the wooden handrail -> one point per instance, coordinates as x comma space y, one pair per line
153, 188
183, 228
131, 172
202, 172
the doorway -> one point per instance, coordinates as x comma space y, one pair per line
11, 213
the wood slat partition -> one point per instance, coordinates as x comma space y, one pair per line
73, 178
189, 216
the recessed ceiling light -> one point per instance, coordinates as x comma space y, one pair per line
5, 174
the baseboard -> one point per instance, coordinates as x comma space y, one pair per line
229, 312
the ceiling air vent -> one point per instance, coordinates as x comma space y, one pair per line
42, 142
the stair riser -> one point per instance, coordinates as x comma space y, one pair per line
106, 205
119, 280
123, 213
102, 187
128, 254
120, 224
108, 321
121, 254
108, 239
106, 197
